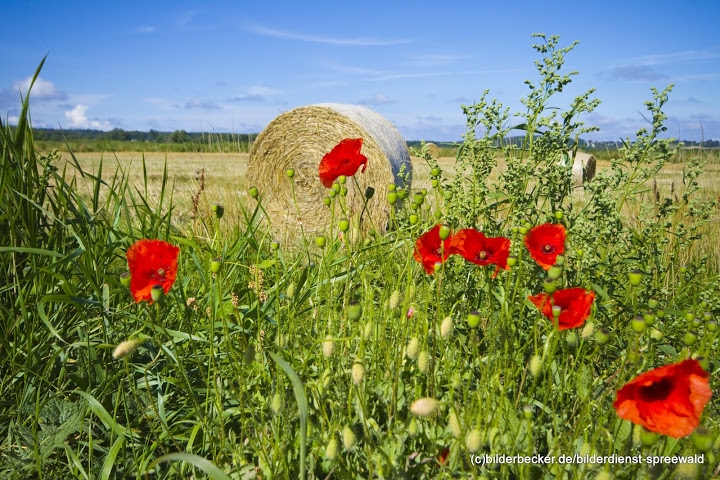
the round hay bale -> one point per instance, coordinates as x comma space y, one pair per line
583, 166
433, 149
299, 139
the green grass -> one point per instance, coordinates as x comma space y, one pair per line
304, 361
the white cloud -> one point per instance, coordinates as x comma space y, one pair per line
356, 42
78, 119
145, 29
42, 90
378, 99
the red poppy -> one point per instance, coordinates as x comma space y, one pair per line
344, 159
574, 303
475, 247
668, 400
151, 262
545, 242
443, 455
427, 249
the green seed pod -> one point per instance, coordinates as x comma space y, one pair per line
354, 311
522, 230
660, 313
327, 200
402, 193
560, 260
157, 293
690, 338
434, 183
549, 285
342, 179
554, 272
435, 172
413, 218
274, 245
290, 173
649, 318
635, 277
215, 265
712, 326
638, 324
391, 187
343, 191
218, 210
473, 319
320, 241
444, 232
559, 214
656, 334
602, 336
528, 412
512, 261
344, 225
392, 197
648, 438
125, 279
702, 439
418, 198
254, 192
653, 303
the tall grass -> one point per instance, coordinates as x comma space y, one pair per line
265, 361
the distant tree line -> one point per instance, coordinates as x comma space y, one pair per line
120, 135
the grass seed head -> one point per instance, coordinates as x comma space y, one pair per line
126, 348
424, 407
473, 440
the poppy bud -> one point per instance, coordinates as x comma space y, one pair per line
331, 449
415, 206
418, 199
559, 214
328, 347
412, 348
635, 277
704, 362
320, 241
335, 187
391, 187
602, 336
402, 193
157, 293
473, 319
369, 192
343, 191
554, 272
702, 439
423, 361
528, 412
454, 424
290, 173
327, 201
126, 348
344, 225
473, 440
556, 311
218, 210
446, 327
274, 245
522, 230
215, 265
653, 303
683, 269
332, 193
444, 232
560, 260
342, 179
354, 311
434, 183
638, 324
535, 365
648, 438
277, 403
358, 373
413, 218
712, 326
656, 334
253, 192
125, 279
690, 338
512, 261
424, 407
435, 172
549, 285
392, 198
349, 438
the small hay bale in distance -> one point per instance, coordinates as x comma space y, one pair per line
583, 166
298, 140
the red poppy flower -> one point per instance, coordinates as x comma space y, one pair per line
545, 242
668, 400
575, 304
443, 455
151, 262
475, 247
344, 159
427, 249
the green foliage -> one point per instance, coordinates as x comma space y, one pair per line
206, 392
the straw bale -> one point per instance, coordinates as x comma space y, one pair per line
299, 139
583, 166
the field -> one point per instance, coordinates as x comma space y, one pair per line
503, 325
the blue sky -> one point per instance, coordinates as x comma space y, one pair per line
234, 66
